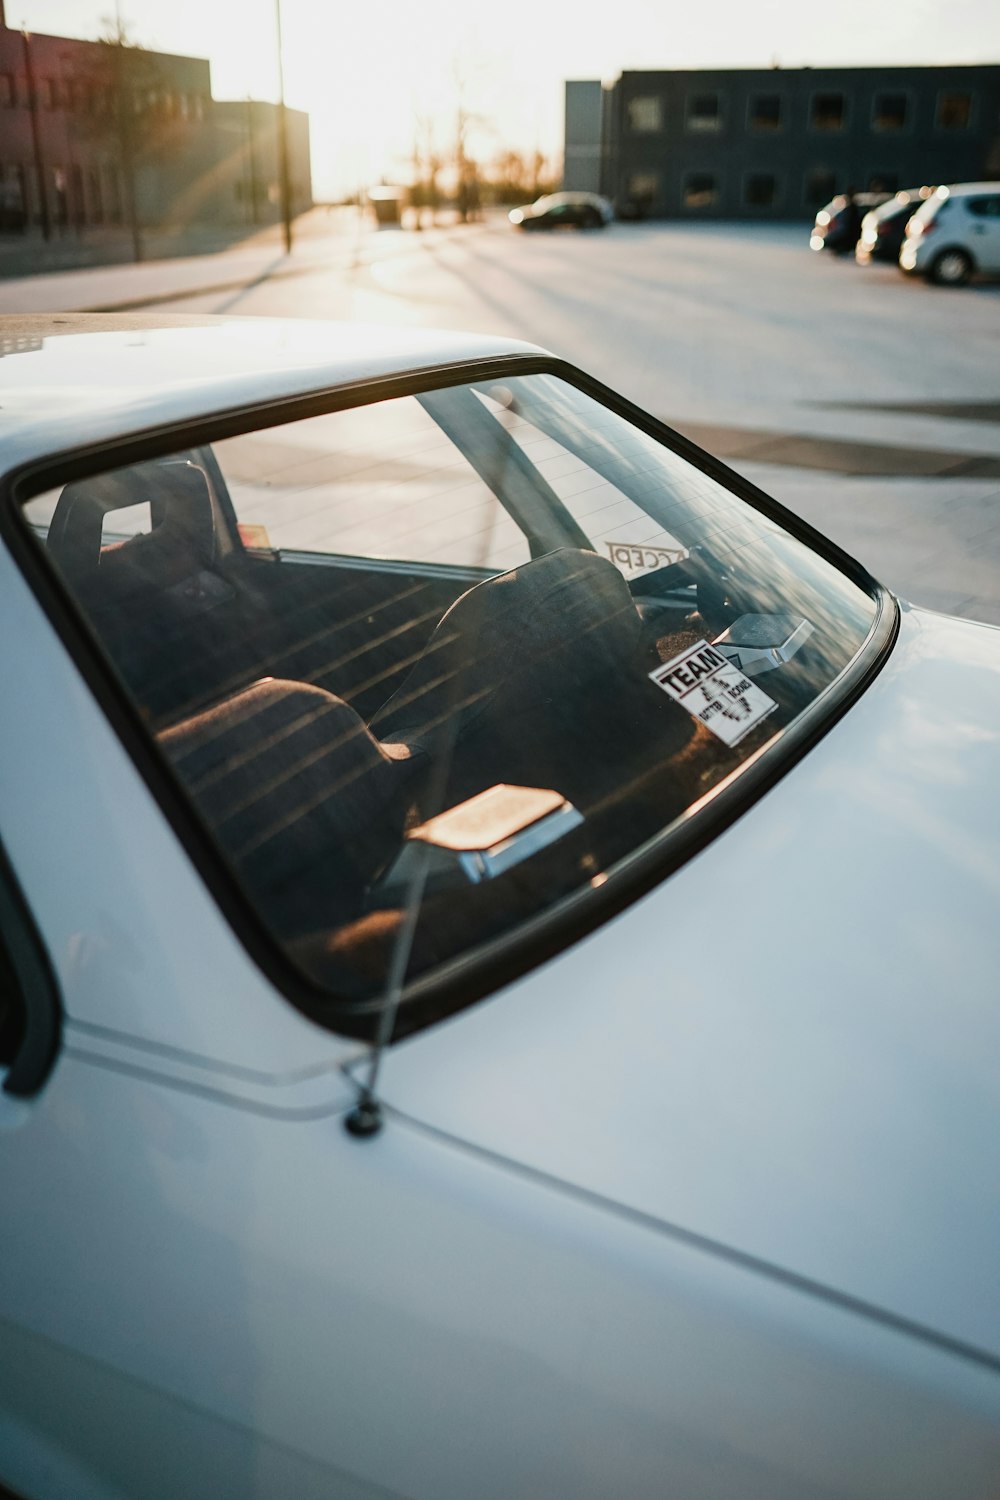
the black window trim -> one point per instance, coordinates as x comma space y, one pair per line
463, 981
37, 991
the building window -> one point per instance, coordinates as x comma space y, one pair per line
700, 190
77, 209
60, 196
645, 115
8, 94
954, 111
820, 187
828, 112
46, 93
765, 112
760, 190
95, 195
704, 112
114, 196
890, 111
13, 199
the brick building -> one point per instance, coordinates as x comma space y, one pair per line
778, 143
89, 130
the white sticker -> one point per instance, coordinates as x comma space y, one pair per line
715, 691
634, 559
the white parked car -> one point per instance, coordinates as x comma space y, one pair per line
499, 947
955, 234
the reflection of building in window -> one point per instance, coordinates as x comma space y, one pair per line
828, 112
820, 187
954, 111
889, 112
700, 190
760, 190
765, 112
645, 115
704, 112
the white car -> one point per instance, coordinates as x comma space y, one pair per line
499, 947
955, 234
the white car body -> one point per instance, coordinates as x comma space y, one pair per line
704, 1205
955, 234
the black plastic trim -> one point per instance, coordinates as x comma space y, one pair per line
486, 969
39, 993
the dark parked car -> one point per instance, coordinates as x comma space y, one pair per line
883, 229
559, 210
838, 225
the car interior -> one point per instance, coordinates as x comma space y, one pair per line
321, 716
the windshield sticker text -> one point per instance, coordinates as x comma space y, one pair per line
714, 691
634, 559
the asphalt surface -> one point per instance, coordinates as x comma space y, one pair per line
867, 402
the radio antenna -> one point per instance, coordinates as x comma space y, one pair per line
366, 1116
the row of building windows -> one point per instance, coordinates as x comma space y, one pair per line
75, 195
891, 111
703, 190
81, 97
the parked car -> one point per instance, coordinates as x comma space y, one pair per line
883, 229
499, 946
564, 211
955, 234
838, 225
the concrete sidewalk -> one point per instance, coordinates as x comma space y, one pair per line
320, 239
342, 239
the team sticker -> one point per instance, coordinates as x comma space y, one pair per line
714, 691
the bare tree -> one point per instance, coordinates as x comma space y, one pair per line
125, 88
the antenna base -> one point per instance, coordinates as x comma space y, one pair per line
364, 1119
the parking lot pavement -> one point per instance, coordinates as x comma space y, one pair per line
933, 542
863, 400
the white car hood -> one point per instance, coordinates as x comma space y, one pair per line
790, 1048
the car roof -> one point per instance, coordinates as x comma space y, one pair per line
70, 380
968, 189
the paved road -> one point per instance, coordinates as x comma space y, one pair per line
867, 402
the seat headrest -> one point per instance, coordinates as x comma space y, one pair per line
303, 798
559, 622
180, 542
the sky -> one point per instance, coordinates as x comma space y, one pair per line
372, 72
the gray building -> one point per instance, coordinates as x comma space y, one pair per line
778, 143
90, 130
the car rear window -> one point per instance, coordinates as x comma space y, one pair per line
433, 671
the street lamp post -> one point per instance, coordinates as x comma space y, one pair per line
286, 192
